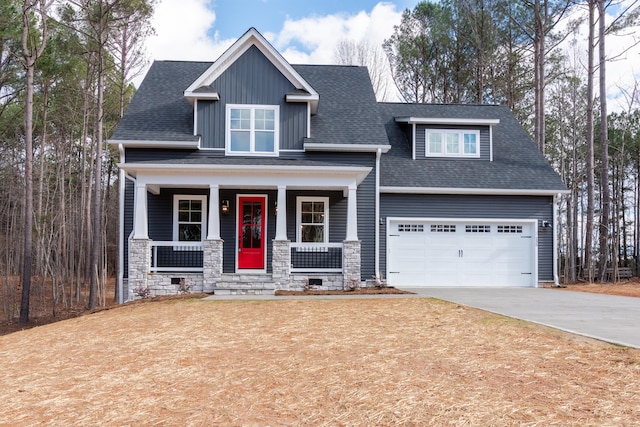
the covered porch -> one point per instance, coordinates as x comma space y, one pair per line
243, 230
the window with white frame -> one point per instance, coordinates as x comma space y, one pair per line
452, 143
252, 129
189, 218
312, 215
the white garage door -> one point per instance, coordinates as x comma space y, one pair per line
460, 253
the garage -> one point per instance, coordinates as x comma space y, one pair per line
458, 252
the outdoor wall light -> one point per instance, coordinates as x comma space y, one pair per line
546, 224
225, 207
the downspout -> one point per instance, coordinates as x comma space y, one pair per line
121, 178
377, 214
556, 279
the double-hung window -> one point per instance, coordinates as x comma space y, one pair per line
452, 143
252, 129
312, 219
189, 218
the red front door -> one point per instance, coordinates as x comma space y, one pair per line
251, 231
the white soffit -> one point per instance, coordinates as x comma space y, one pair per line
447, 121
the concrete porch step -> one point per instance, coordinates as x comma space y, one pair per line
245, 284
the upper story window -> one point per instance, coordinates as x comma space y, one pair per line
452, 143
252, 129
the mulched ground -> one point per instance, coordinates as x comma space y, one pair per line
312, 362
360, 291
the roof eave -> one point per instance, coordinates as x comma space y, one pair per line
361, 148
140, 143
447, 121
473, 191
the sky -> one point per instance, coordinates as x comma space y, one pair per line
308, 31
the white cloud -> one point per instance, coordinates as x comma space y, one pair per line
314, 39
181, 32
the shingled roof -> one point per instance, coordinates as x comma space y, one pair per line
159, 110
517, 163
348, 111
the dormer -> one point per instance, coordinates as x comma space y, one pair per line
251, 101
450, 138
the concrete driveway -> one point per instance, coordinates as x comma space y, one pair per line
608, 318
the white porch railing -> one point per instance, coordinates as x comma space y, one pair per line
176, 256
316, 257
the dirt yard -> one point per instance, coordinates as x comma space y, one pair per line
312, 362
628, 288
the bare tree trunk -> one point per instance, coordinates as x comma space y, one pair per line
605, 210
588, 249
96, 249
31, 53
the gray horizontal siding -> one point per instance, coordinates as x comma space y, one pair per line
494, 207
252, 79
485, 141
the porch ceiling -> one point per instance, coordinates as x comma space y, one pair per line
246, 176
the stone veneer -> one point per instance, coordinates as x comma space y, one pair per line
213, 280
351, 261
139, 260
212, 264
281, 264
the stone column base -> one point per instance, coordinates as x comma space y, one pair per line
351, 261
212, 264
281, 263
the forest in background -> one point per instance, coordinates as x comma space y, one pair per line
66, 69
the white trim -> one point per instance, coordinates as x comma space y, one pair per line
253, 176
447, 121
253, 38
122, 177
193, 97
377, 217
491, 144
360, 148
414, 142
213, 232
325, 224
532, 222
264, 233
470, 191
281, 213
195, 118
554, 221
252, 130
443, 143
135, 143
203, 219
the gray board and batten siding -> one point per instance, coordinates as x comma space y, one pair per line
252, 80
421, 206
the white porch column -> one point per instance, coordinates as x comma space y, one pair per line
281, 216
140, 226
352, 214
213, 231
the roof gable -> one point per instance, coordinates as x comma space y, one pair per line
305, 92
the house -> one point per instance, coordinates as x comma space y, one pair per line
250, 174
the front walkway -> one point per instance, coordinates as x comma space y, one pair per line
609, 318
